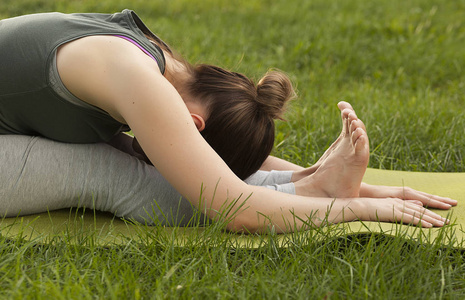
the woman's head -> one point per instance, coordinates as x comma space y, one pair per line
240, 115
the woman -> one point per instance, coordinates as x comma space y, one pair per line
85, 78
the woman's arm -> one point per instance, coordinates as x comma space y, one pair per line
277, 164
114, 75
366, 190
126, 143
273, 163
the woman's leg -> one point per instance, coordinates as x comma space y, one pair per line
39, 175
275, 180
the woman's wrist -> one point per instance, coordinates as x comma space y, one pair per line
366, 190
346, 210
356, 210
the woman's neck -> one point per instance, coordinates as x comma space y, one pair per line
177, 73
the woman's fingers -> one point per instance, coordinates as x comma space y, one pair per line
425, 215
417, 202
413, 213
407, 193
435, 198
428, 199
405, 211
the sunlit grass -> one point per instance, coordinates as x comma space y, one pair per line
209, 264
400, 63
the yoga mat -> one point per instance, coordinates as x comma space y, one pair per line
87, 226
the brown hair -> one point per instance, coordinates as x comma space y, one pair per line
240, 124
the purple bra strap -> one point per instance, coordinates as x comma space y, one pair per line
137, 44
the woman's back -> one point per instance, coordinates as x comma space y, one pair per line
33, 99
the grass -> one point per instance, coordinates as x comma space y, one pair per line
400, 63
357, 266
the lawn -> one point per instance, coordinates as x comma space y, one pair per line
402, 66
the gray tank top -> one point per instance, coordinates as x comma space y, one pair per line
33, 100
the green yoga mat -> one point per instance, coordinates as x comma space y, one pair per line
78, 226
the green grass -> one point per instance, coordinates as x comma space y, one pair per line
210, 266
400, 63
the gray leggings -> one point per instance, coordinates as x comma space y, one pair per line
39, 175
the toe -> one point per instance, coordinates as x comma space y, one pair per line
352, 116
343, 105
345, 113
345, 123
362, 149
356, 135
354, 125
362, 125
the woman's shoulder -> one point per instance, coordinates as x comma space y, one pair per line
102, 69
98, 50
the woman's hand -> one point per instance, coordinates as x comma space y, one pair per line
398, 210
406, 193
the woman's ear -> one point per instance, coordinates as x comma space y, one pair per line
199, 122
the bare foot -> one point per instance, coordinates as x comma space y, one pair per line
345, 109
341, 172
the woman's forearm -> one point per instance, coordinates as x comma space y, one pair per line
366, 190
286, 213
264, 209
278, 164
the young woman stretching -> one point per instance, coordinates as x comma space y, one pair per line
85, 78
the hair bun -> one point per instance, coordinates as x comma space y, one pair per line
274, 90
